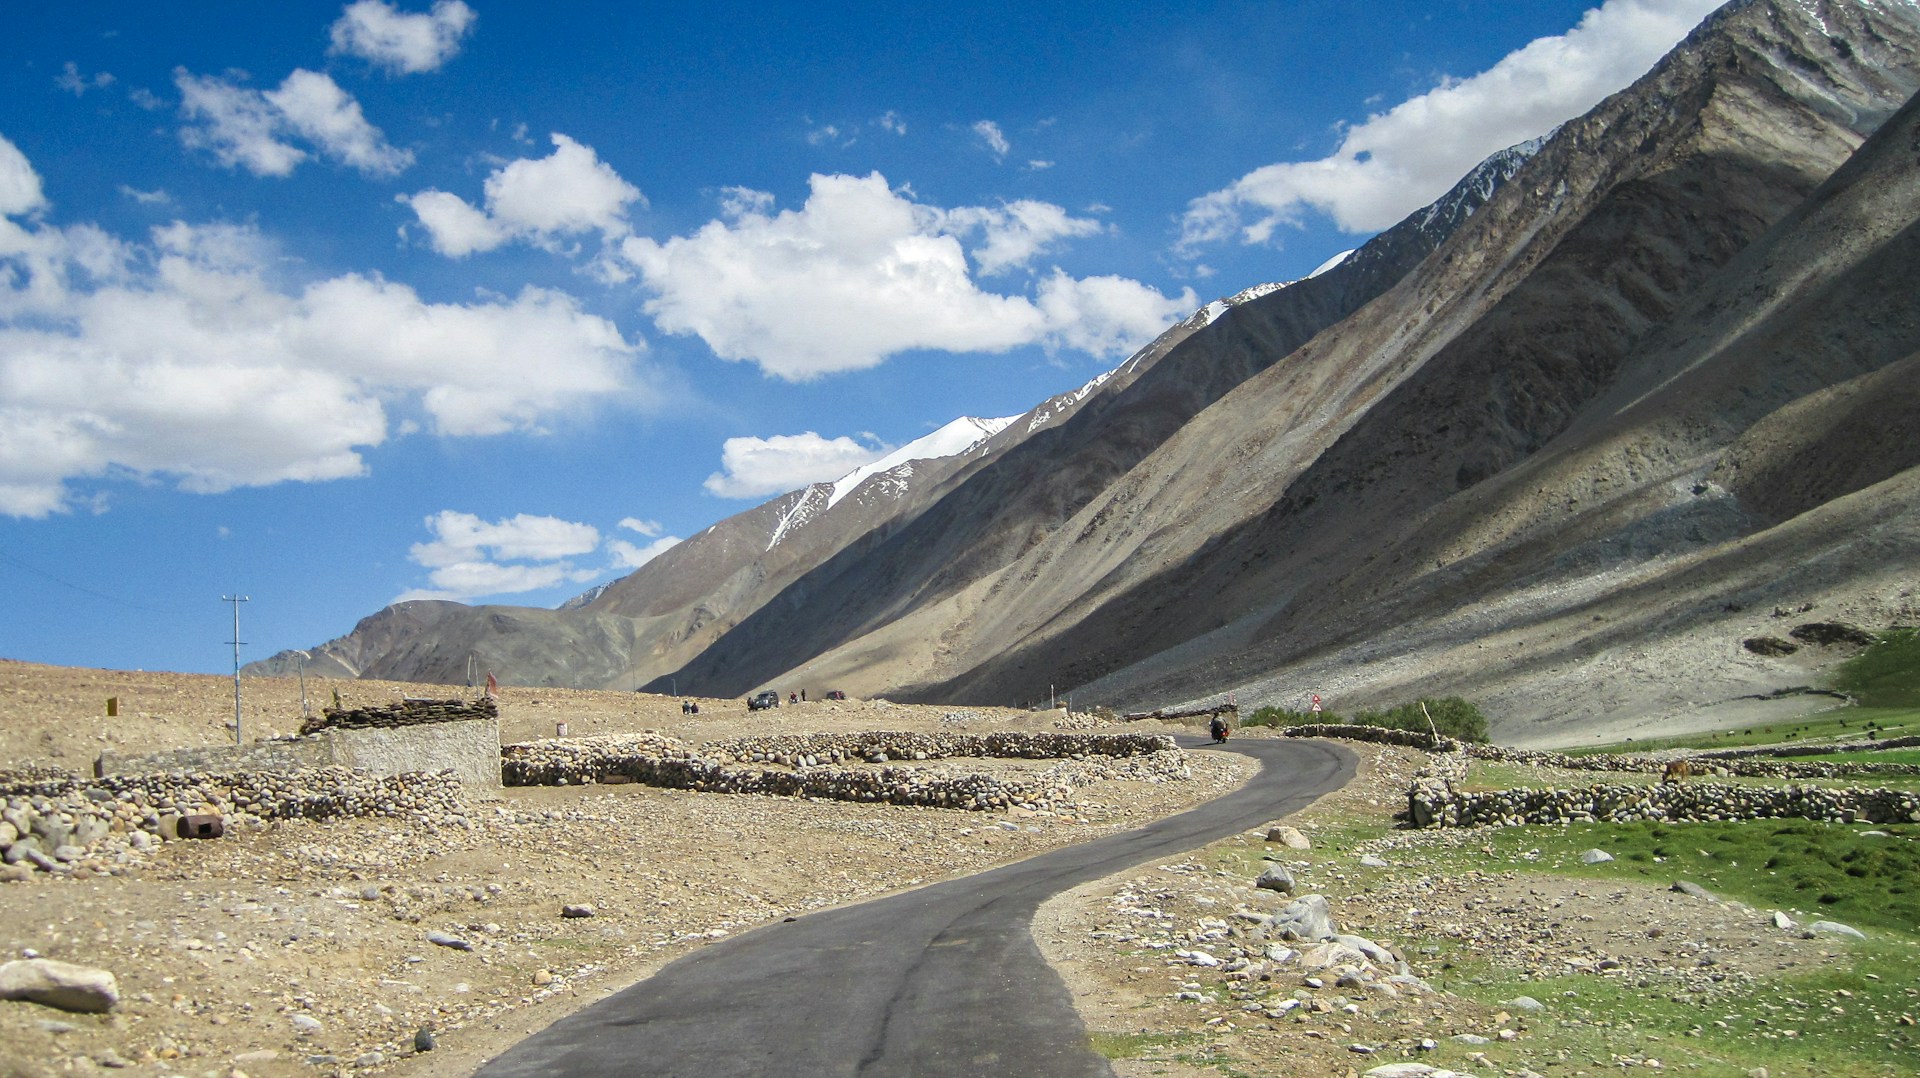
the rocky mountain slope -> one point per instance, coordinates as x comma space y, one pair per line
1556, 442
1408, 463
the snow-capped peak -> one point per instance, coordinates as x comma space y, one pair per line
951, 440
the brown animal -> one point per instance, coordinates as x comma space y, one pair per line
1677, 771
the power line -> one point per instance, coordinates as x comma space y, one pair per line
18, 564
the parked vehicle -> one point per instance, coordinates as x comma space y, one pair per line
762, 700
835, 694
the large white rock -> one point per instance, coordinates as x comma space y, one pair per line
59, 984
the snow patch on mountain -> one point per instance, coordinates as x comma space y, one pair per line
807, 504
949, 441
1331, 263
891, 472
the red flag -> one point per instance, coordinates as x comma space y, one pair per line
493, 687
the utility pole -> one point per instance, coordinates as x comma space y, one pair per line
236, 600
304, 709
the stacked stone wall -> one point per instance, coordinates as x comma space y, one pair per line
102, 824
410, 712
1435, 804
830, 765
1754, 765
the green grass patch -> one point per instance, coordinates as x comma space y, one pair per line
1138, 1045
1841, 1021
1839, 724
1886, 674
1818, 870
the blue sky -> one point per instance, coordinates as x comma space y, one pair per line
334, 304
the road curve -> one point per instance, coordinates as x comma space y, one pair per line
942, 980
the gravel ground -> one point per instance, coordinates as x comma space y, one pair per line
303, 948
1115, 942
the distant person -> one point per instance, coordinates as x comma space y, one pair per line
803, 696
695, 708
793, 698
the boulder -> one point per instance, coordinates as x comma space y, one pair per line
59, 984
1289, 837
1305, 918
1276, 878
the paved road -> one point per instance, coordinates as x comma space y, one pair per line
943, 980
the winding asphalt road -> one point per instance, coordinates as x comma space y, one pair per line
943, 980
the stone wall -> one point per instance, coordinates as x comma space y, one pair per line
103, 824
829, 765
1436, 804
407, 712
469, 747
1733, 762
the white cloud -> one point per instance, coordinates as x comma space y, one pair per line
463, 537
1397, 161
1106, 316
77, 84
157, 197
648, 528
470, 557
176, 358
1018, 232
404, 43
246, 128
991, 137
237, 125
629, 556
568, 192
891, 121
757, 467
858, 274
20, 192
324, 114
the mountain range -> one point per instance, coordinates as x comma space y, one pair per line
1558, 442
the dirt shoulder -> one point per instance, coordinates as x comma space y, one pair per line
1118, 943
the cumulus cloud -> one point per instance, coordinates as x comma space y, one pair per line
20, 191
463, 537
757, 467
631, 556
178, 358
860, 273
404, 43
247, 128
321, 112
991, 137
1017, 233
569, 192
472, 558
1397, 161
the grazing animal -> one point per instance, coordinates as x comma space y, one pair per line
1677, 771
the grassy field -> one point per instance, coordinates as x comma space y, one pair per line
1884, 679
1840, 724
1850, 1019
